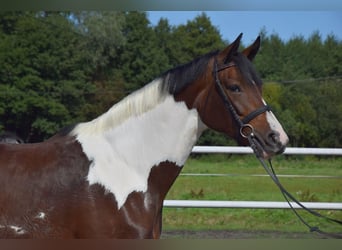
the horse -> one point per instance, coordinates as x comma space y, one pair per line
9, 137
108, 177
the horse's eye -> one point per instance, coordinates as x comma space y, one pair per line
234, 88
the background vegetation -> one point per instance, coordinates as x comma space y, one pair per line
59, 68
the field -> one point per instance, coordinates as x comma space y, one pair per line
241, 182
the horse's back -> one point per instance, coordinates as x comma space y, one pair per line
37, 181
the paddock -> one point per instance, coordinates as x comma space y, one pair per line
252, 205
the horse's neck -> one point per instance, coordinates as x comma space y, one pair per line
123, 155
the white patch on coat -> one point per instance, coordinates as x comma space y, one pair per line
145, 129
17, 230
40, 215
276, 126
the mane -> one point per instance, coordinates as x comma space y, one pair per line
10, 137
134, 104
171, 82
176, 79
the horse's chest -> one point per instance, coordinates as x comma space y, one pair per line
122, 157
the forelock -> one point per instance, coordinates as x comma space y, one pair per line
247, 68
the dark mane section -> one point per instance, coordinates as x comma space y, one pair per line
176, 79
66, 130
10, 137
246, 68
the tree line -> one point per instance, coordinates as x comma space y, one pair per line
60, 68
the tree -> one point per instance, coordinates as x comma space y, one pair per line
163, 32
197, 37
297, 105
140, 59
295, 60
59, 68
269, 60
102, 39
43, 77
272, 92
328, 106
102, 36
332, 52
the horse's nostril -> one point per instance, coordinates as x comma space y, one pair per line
273, 142
273, 138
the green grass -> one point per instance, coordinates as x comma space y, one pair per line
239, 185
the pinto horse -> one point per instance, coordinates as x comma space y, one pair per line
108, 177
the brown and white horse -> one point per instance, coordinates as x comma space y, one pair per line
108, 177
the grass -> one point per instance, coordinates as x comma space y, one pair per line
238, 184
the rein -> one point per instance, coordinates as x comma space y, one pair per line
289, 197
247, 131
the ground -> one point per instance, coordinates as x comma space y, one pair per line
224, 234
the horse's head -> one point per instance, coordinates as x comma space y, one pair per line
232, 103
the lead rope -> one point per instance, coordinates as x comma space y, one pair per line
269, 169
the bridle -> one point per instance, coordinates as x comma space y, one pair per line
247, 131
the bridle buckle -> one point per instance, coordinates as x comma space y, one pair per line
247, 131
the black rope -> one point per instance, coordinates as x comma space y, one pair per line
289, 197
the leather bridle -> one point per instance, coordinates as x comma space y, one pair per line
246, 129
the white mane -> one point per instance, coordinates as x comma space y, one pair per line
135, 104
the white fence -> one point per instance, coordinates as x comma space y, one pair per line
257, 204
250, 204
248, 150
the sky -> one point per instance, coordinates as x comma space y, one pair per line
286, 24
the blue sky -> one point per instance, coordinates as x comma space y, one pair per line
284, 23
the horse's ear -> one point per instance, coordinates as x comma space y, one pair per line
228, 52
252, 50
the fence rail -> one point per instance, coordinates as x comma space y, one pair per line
250, 204
248, 150
257, 204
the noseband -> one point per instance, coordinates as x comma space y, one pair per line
246, 129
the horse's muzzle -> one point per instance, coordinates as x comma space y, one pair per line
271, 144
